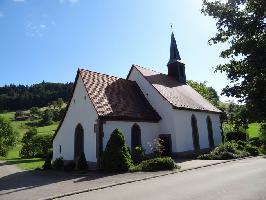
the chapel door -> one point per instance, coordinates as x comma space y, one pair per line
167, 144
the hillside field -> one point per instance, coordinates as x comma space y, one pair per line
21, 127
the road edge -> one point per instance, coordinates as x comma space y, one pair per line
145, 178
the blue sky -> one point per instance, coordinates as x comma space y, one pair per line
48, 40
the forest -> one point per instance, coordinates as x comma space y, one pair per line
22, 97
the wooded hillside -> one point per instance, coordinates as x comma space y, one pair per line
21, 97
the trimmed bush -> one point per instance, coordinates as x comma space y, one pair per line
82, 163
157, 164
116, 157
236, 136
137, 154
58, 163
70, 166
47, 164
255, 141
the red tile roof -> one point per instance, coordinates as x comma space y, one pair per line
180, 96
117, 98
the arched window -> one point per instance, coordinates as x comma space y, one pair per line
195, 133
79, 141
135, 136
210, 132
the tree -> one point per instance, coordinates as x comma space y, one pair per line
59, 103
7, 136
47, 117
237, 115
34, 112
207, 92
27, 150
35, 145
116, 156
242, 24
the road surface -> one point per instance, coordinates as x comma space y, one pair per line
245, 180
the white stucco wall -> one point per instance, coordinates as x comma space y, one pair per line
160, 104
183, 130
149, 131
178, 122
80, 111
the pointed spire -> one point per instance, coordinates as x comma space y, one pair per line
176, 68
174, 53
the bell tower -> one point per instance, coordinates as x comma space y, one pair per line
176, 68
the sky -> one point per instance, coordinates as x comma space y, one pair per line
50, 39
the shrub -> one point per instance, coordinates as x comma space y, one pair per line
241, 145
70, 166
255, 141
47, 117
34, 145
47, 164
157, 164
236, 136
82, 162
263, 133
58, 163
116, 157
228, 150
252, 150
7, 136
27, 149
157, 147
137, 154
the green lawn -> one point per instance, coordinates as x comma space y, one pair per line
21, 127
13, 158
253, 130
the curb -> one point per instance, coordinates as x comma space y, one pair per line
142, 179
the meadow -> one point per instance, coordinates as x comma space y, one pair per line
21, 127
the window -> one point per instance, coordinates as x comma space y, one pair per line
60, 149
78, 141
135, 136
195, 133
210, 132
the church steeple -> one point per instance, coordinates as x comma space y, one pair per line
174, 53
176, 68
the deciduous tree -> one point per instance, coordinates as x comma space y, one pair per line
242, 24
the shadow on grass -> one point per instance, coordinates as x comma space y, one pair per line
36, 124
15, 161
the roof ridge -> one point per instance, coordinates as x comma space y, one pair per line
111, 76
136, 65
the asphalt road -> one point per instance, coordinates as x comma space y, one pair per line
245, 180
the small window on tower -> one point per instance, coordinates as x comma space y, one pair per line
85, 97
60, 149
